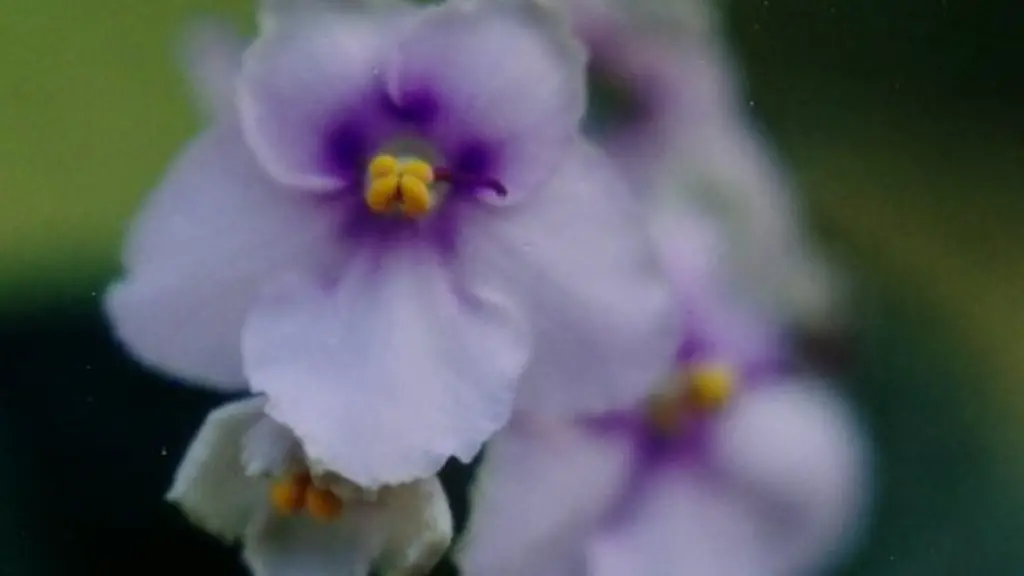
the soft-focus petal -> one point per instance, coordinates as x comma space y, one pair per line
504, 74
695, 253
211, 486
419, 528
297, 77
387, 374
277, 545
208, 240
211, 53
579, 257
540, 492
796, 451
681, 526
270, 449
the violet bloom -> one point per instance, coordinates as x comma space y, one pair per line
396, 235
676, 115
246, 479
738, 469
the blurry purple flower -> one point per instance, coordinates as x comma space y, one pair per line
245, 478
684, 124
737, 468
396, 235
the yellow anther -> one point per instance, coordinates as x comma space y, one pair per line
419, 170
415, 195
711, 387
289, 494
322, 504
383, 165
403, 184
382, 194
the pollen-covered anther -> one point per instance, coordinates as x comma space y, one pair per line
400, 185
711, 387
323, 504
288, 495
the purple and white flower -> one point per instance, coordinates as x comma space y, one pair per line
394, 231
738, 468
245, 478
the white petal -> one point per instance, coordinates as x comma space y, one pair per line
682, 525
270, 449
279, 545
211, 486
796, 451
419, 528
386, 375
211, 53
579, 258
541, 490
206, 242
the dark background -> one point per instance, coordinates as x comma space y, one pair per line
900, 119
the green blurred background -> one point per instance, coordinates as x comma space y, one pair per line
901, 120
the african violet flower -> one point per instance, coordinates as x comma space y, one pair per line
669, 107
395, 235
737, 468
245, 478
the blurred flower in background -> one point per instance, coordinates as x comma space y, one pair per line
904, 138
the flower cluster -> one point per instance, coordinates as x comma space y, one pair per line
403, 236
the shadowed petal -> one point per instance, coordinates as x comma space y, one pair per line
419, 528
211, 53
210, 237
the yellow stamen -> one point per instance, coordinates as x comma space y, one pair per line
416, 200
400, 184
322, 504
382, 196
711, 387
289, 494
383, 165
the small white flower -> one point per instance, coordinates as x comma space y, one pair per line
245, 478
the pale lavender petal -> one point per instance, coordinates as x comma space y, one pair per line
277, 545
297, 78
503, 76
696, 255
540, 492
579, 258
211, 486
389, 372
211, 53
682, 525
797, 454
205, 244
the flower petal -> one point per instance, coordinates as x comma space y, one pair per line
277, 545
682, 525
392, 338
578, 256
797, 452
211, 53
419, 528
211, 486
541, 490
297, 77
505, 74
214, 232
